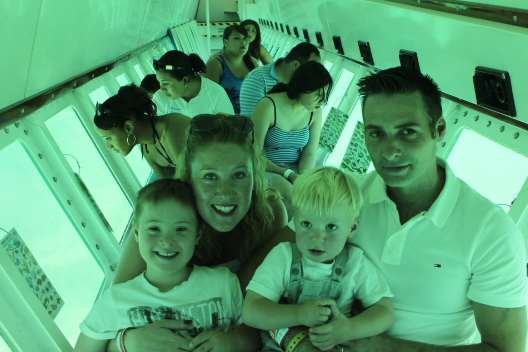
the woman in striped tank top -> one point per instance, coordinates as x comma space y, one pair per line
288, 124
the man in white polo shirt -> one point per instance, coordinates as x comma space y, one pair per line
455, 262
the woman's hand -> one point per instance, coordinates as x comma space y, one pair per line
160, 336
211, 341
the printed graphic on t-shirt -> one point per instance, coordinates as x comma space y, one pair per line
205, 315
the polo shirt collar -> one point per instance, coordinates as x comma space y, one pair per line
375, 192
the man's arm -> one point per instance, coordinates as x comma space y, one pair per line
251, 92
502, 330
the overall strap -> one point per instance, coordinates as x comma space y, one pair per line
294, 288
338, 272
274, 110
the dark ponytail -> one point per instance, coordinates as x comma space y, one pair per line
130, 103
197, 64
254, 46
179, 64
308, 78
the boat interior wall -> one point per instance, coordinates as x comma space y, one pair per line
57, 40
449, 47
506, 3
219, 10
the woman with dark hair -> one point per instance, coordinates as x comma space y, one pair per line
288, 124
242, 218
255, 47
232, 64
129, 118
184, 90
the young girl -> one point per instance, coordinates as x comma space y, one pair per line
255, 47
230, 67
198, 298
319, 276
184, 90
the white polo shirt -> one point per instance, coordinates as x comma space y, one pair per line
463, 249
211, 99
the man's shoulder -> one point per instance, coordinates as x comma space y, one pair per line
473, 202
260, 73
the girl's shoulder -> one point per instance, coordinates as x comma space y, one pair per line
172, 125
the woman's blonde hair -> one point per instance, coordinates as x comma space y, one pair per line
324, 188
258, 221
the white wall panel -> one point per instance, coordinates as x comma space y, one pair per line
518, 4
50, 42
449, 46
16, 41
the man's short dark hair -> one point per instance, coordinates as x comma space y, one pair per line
399, 80
302, 52
150, 84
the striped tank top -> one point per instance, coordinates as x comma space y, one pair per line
285, 147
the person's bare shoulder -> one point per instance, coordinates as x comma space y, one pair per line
174, 124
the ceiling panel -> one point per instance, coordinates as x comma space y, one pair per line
16, 41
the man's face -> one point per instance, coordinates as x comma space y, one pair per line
399, 138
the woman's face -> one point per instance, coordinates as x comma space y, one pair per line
169, 85
251, 31
115, 139
237, 44
314, 100
222, 180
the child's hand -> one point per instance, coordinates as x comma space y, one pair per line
211, 341
163, 335
315, 312
327, 336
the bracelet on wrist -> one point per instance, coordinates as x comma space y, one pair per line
296, 340
287, 173
120, 339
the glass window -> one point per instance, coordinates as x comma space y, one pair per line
338, 91
73, 140
123, 80
335, 158
55, 244
494, 171
139, 166
139, 71
328, 65
3, 345
99, 95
